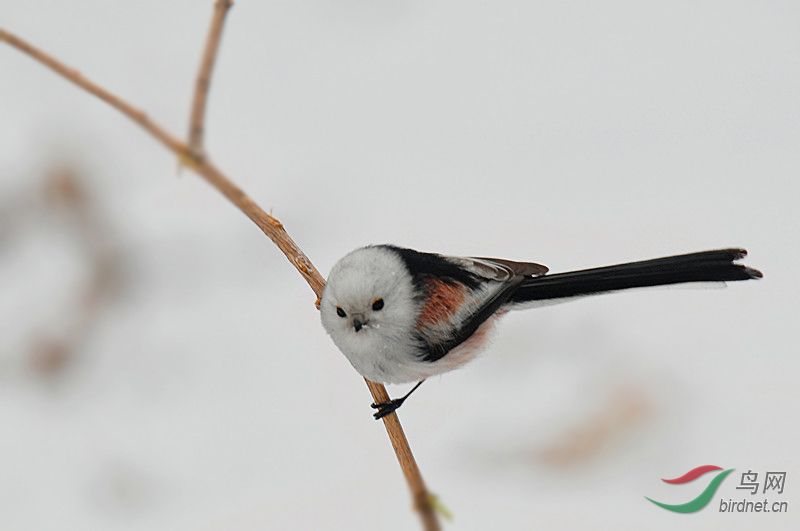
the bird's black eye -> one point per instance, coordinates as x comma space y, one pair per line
340, 312
377, 305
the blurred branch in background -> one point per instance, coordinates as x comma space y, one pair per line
63, 198
627, 407
64, 188
272, 227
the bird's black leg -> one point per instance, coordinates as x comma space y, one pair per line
388, 407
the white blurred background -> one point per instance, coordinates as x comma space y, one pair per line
162, 366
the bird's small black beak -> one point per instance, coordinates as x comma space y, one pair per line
357, 324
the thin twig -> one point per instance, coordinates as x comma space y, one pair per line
271, 226
203, 81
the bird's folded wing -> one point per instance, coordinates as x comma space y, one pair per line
500, 268
452, 312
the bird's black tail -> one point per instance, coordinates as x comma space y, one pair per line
706, 266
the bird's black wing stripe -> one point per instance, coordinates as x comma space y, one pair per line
429, 265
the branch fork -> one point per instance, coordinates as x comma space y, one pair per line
192, 155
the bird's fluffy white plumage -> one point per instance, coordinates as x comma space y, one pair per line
381, 351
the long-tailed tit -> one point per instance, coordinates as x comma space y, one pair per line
400, 315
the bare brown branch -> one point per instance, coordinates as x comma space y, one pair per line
268, 224
419, 493
203, 81
271, 226
76, 77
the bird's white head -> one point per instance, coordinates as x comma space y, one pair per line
369, 306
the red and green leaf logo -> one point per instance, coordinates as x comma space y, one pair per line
704, 498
